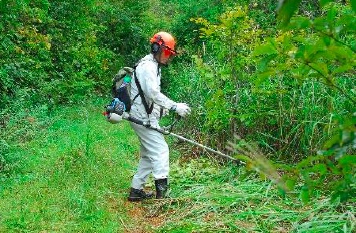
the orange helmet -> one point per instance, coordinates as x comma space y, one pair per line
165, 40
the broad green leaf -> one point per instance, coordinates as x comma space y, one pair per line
286, 9
347, 21
342, 69
263, 63
265, 49
341, 52
300, 22
321, 68
287, 44
320, 24
315, 50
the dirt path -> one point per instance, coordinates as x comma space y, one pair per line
143, 219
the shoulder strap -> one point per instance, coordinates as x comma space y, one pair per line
142, 95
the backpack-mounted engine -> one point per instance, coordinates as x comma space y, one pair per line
120, 90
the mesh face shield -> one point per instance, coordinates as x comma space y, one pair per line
169, 52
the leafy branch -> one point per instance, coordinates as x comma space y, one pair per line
334, 38
330, 83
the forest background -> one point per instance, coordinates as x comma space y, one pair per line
274, 90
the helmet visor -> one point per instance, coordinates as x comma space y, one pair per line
169, 52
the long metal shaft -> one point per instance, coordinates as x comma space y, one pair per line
139, 122
204, 147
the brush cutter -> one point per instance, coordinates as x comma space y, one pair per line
115, 112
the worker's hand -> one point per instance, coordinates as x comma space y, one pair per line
182, 109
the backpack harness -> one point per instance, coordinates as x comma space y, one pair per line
121, 90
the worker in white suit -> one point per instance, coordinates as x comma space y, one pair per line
148, 105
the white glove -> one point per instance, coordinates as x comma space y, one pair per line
164, 112
182, 109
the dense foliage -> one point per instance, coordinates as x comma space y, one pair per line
61, 51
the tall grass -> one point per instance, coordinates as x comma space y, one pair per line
288, 119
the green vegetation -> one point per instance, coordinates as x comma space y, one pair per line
269, 83
70, 176
71, 173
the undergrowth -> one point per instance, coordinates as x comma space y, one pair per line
67, 170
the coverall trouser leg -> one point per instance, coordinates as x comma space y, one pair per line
154, 156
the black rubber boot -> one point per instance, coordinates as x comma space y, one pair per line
161, 188
139, 195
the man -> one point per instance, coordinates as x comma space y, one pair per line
154, 150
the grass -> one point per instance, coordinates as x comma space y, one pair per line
213, 198
71, 177
69, 171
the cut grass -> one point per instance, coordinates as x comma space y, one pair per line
72, 172
208, 197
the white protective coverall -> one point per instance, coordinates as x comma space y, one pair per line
154, 149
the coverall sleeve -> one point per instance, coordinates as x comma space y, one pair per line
150, 84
